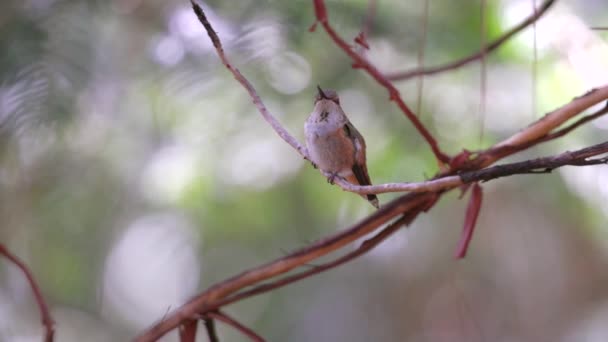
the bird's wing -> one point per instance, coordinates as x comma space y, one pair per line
360, 166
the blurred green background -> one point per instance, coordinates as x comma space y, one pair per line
135, 171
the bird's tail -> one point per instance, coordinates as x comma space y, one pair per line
373, 199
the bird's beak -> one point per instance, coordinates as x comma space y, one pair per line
322, 93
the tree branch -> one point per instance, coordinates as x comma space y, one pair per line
360, 62
556, 118
577, 158
206, 300
404, 75
211, 332
546, 164
45, 314
187, 331
449, 180
366, 246
274, 123
575, 125
220, 316
540, 131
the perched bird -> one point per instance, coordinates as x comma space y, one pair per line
334, 144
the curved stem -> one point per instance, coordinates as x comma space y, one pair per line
404, 75
45, 314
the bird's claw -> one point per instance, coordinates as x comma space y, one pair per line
332, 178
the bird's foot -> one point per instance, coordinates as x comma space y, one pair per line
331, 179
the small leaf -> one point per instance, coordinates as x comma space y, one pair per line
470, 220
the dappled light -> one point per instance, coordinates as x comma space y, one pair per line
152, 268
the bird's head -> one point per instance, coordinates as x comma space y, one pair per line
327, 94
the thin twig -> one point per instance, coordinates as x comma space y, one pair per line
369, 17
426, 186
507, 150
421, 49
360, 62
546, 164
404, 75
220, 316
45, 314
446, 181
535, 133
211, 332
274, 123
575, 125
361, 38
534, 61
482, 72
450, 182
365, 247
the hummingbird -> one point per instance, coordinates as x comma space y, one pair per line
334, 144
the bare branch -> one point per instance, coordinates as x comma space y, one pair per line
556, 118
445, 182
546, 164
220, 316
365, 247
424, 25
577, 158
404, 75
484, 158
536, 132
369, 17
211, 332
575, 125
482, 71
274, 123
45, 314
360, 62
